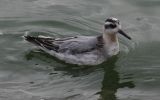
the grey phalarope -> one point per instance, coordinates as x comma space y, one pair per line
83, 50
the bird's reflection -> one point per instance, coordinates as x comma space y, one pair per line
111, 81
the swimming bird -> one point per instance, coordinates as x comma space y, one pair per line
83, 50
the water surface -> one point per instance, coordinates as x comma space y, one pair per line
30, 74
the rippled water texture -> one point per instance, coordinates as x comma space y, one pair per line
30, 74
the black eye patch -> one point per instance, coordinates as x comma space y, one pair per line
110, 26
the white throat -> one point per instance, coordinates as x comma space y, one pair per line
111, 44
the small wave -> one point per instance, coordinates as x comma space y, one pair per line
1, 33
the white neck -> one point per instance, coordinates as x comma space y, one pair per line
111, 44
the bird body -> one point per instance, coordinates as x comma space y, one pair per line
82, 50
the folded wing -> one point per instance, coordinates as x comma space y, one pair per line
74, 45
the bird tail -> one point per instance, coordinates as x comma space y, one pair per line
32, 39
45, 42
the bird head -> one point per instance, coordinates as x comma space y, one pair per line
112, 26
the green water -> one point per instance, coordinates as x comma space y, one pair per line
30, 74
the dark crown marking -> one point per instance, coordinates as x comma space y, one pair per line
112, 20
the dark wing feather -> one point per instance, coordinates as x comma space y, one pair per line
47, 42
43, 42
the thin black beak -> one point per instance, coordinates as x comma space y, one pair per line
124, 34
